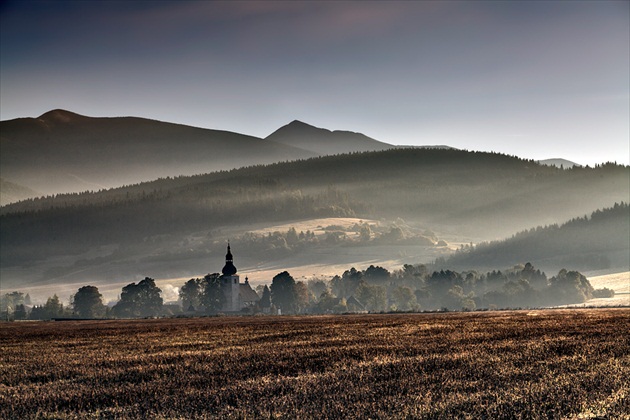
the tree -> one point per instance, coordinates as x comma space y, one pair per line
212, 296
376, 274
138, 300
317, 287
190, 294
327, 303
38, 312
346, 285
88, 302
303, 296
365, 233
265, 300
53, 307
373, 297
569, 287
456, 299
20, 312
11, 300
292, 237
404, 298
283, 293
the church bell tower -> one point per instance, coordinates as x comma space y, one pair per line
230, 283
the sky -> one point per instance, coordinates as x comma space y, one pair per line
536, 79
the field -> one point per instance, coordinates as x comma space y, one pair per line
619, 282
522, 364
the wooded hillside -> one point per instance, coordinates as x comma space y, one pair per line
596, 242
486, 196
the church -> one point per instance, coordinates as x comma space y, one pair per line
238, 296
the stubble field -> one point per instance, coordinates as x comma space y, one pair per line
536, 364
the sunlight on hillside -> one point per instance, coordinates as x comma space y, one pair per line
619, 282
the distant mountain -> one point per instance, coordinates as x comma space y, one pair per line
324, 142
61, 151
600, 241
559, 163
11, 192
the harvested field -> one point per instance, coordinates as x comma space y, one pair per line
523, 364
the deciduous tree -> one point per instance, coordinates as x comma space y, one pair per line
283, 293
88, 302
212, 296
137, 300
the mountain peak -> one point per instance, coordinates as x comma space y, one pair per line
60, 116
323, 141
298, 123
295, 128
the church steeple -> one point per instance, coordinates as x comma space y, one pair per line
229, 269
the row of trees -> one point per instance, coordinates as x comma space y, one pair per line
285, 294
374, 289
87, 302
415, 287
136, 300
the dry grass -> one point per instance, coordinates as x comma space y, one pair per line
619, 282
539, 364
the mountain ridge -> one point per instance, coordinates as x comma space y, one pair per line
62, 151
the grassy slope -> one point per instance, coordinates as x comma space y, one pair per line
619, 282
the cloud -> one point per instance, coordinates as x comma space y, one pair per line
169, 292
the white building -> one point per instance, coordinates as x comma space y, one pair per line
237, 295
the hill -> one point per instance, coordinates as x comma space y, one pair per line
61, 151
324, 142
597, 242
177, 227
11, 192
560, 163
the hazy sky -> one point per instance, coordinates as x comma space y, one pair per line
537, 79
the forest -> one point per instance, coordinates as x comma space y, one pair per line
484, 195
599, 242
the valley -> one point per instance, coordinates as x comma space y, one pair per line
315, 216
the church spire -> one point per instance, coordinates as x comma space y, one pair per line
229, 269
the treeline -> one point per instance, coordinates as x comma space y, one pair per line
415, 287
412, 167
375, 289
137, 300
587, 243
280, 244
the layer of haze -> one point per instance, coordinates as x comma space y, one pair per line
534, 79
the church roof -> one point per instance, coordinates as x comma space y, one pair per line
247, 293
228, 269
